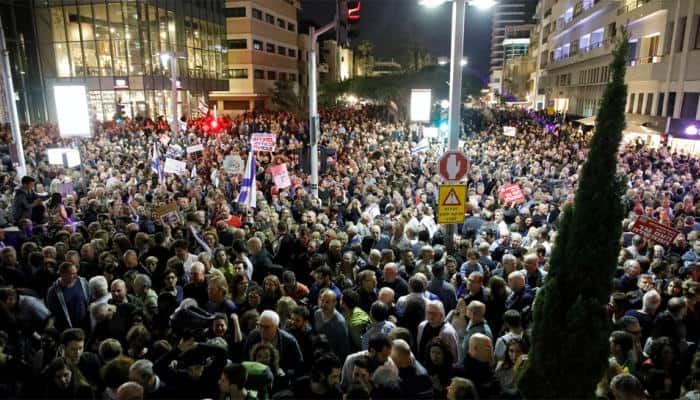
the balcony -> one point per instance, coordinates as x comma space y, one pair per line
582, 16
597, 49
651, 68
636, 9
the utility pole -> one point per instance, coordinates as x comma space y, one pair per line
11, 104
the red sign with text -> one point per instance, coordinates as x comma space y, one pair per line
654, 231
512, 193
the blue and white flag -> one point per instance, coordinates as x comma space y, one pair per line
193, 174
247, 195
422, 146
154, 159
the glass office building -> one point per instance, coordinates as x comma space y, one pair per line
114, 47
20, 37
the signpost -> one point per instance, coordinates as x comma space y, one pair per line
453, 166
452, 200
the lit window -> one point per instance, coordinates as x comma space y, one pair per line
257, 45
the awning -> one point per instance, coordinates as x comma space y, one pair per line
590, 121
631, 127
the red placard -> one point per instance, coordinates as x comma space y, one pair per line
512, 193
654, 231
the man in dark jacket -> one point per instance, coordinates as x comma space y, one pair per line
522, 295
291, 359
24, 200
477, 367
195, 372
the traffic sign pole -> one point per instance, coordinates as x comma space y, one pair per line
453, 167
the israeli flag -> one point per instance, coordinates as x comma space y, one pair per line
193, 174
247, 195
155, 160
422, 146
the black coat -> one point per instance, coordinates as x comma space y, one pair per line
291, 358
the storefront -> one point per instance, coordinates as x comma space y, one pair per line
684, 136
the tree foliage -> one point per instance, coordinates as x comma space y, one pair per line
284, 97
571, 326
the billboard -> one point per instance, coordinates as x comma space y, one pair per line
72, 110
420, 105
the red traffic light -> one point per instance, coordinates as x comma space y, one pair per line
354, 11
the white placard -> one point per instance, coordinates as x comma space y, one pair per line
56, 157
72, 110
263, 141
233, 164
430, 132
173, 166
509, 131
195, 148
420, 105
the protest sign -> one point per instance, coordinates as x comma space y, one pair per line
509, 131
168, 214
281, 176
654, 231
263, 141
173, 166
233, 164
512, 193
195, 148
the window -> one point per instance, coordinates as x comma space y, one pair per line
283, 76
292, 53
238, 73
660, 105
668, 36
281, 23
259, 74
281, 50
293, 77
681, 34
270, 48
689, 108
237, 44
269, 19
271, 75
697, 33
670, 108
257, 45
640, 100
236, 105
235, 12
291, 27
257, 14
650, 102
630, 105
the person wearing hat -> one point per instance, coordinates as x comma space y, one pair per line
192, 369
24, 199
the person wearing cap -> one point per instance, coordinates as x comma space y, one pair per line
192, 369
24, 199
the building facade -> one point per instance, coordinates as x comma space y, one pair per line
262, 43
577, 38
18, 19
506, 13
116, 49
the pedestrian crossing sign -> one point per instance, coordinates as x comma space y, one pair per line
452, 200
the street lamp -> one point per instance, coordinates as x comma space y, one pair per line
456, 53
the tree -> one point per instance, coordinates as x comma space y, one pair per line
285, 98
571, 326
366, 59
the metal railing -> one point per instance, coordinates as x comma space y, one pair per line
645, 60
631, 5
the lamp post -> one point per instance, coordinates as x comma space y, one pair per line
456, 64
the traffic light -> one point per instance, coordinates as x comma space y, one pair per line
347, 14
120, 114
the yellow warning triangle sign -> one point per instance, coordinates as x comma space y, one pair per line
451, 199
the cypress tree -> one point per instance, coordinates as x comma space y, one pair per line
571, 326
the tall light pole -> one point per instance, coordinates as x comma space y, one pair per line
9, 91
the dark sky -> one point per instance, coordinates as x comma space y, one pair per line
390, 24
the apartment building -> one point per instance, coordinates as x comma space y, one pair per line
506, 13
262, 48
574, 43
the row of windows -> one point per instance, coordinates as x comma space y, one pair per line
689, 104
242, 73
563, 80
594, 75
240, 12
238, 44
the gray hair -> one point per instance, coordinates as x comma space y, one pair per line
509, 258
98, 286
143, 280
142, 367
270, 315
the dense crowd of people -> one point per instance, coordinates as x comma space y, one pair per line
356, 294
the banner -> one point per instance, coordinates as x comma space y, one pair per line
202, 107
509, 131
173, 166
195, 148
281, 176
168, 214
654, 231
263, 141
512, 193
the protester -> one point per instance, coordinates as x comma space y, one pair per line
362, 275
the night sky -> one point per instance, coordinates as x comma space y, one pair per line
390, 24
